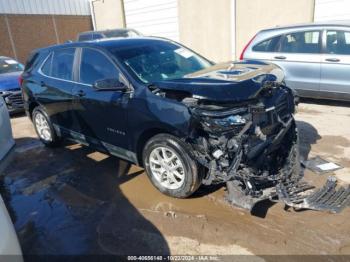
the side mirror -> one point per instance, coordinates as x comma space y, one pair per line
110, 85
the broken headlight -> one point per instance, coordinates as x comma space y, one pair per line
224, 124
230, 121
222, 120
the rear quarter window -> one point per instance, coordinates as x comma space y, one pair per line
268, 45
31, 60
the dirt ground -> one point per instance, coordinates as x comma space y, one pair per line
73, 200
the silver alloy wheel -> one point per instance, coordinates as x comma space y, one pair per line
42, 126
167, 167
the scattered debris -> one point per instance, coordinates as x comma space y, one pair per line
320, 166
170, 214
326, 198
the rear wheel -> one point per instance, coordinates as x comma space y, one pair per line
44, 128
170, 167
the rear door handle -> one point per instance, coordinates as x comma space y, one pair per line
280, 57
334, 60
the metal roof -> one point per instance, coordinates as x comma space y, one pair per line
45, 7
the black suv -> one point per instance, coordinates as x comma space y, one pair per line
160, 105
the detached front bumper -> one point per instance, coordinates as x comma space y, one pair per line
269, 164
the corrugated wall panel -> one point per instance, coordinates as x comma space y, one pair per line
45, 7
34, 31
156, 17
327, 10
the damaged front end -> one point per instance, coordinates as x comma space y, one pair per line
254, 149
244, 134
251, 147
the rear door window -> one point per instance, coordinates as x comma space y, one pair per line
301, 42
59, 64
269, 45
96, 66
338, 42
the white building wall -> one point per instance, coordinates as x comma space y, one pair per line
328, 10
45, 7
156, 17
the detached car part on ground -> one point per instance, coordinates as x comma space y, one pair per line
185, 119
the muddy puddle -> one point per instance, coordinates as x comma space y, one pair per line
73, 200
76, 201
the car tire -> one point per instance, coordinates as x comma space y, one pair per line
44, 128
170, 166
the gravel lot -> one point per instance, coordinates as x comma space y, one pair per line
73, 200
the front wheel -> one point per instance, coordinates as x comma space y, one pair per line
170, 167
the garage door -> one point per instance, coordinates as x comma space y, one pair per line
326, 10
156, 17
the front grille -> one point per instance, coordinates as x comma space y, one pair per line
279, 105
14, 99
261, 118
267, 119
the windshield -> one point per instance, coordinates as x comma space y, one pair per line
160, 61
8, 65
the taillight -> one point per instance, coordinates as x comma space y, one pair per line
20, 80
245, 48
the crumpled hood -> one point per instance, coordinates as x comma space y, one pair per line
226, 82
9, 81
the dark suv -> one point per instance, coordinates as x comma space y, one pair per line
160, 105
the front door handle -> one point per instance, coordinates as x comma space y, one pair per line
334, 60
281, 57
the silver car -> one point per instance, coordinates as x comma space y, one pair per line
7, 142
8, 240
315, 57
